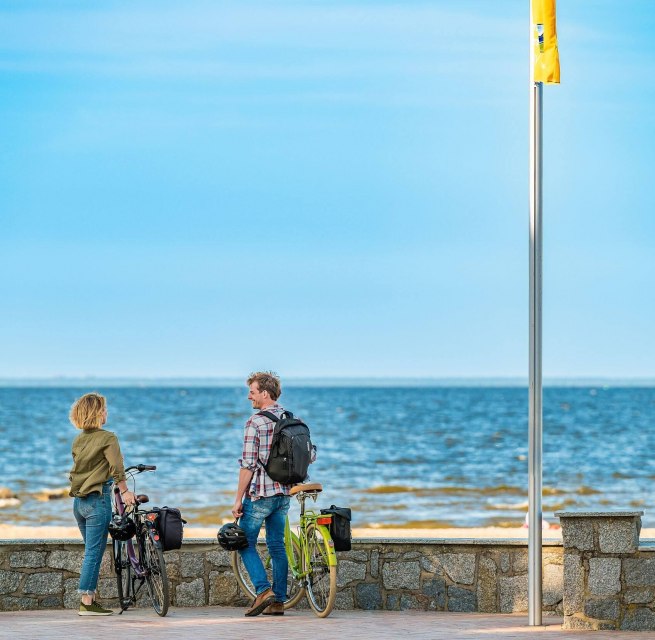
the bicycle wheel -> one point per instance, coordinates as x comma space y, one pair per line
123, 575
295, 589
321, 577
153, 562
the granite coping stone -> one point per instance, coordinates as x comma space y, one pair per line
501, 542
598, 514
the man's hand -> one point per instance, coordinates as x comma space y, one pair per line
129, 498
237, 509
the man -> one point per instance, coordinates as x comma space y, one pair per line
260, 499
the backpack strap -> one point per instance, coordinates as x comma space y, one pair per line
269, 415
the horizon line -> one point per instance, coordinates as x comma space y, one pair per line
329, 381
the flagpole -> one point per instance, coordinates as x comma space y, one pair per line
535, 366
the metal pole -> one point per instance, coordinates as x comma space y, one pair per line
535, 408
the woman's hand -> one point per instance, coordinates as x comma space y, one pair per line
128, 498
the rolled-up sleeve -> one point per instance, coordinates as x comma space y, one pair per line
250, 452
115, 459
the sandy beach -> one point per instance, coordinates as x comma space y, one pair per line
23, 532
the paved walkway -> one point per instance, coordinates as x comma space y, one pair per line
222, 622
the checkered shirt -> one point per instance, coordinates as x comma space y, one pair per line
257, 440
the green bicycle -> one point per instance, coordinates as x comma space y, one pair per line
311, 555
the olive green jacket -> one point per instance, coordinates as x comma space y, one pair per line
96, 458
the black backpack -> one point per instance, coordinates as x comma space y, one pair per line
291, 449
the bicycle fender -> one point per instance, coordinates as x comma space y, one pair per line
332, 554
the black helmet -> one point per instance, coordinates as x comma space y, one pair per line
232, 537
121, 527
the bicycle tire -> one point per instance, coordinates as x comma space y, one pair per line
321, 579
295, 590
152, 560
123, 568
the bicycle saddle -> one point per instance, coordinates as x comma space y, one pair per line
310, 486
142, 498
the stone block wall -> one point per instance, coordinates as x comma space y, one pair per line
442, 575
609, 580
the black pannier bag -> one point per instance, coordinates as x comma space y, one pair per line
291, 449
170, 525
340, 527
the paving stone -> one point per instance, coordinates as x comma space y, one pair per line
513, 594
344, 600
190, 594
51, 602
461, 600
409, 601
435, 590
108, 588
222, 588
401, 575
375, 562
605, 609
71, 596
504, 562
573, 584
552, 584
10, 603
578, 533
459, 567
27, 559
578, 624
431, 564
360, 556
486, 590
348, 571
604, 576
9, 581
520, 561
393, 602
43, 583
638, 596
220, 558
411, 555
192, 565
641, 619
67, 560
639, 572
618, 535
368, 596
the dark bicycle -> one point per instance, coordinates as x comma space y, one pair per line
138, 555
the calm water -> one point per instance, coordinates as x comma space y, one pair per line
436, 456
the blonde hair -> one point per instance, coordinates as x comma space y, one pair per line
267, 381
88, 412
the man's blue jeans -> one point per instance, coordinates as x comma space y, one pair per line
273, 511
93, 514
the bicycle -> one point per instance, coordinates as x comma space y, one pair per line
140, 558
311, 555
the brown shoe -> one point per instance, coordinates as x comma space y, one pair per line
261, 602
275, 609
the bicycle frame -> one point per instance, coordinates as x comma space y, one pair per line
307, 518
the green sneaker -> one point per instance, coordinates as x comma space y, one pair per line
93, 609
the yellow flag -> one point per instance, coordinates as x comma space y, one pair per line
546, 55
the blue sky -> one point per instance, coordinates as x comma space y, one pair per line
321, 188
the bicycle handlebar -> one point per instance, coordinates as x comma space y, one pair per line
140, 468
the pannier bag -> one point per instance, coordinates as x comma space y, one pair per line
340, 527
291, 449
170, 526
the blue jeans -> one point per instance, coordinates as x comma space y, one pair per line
273, 511
93, 514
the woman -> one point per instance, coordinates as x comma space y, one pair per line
97, 462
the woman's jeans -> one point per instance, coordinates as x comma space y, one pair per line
93, 514
273, 511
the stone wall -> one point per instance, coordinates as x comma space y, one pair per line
609, 578
442, 575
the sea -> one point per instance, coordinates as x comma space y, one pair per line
412, 455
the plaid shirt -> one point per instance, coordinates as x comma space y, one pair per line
257, 440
